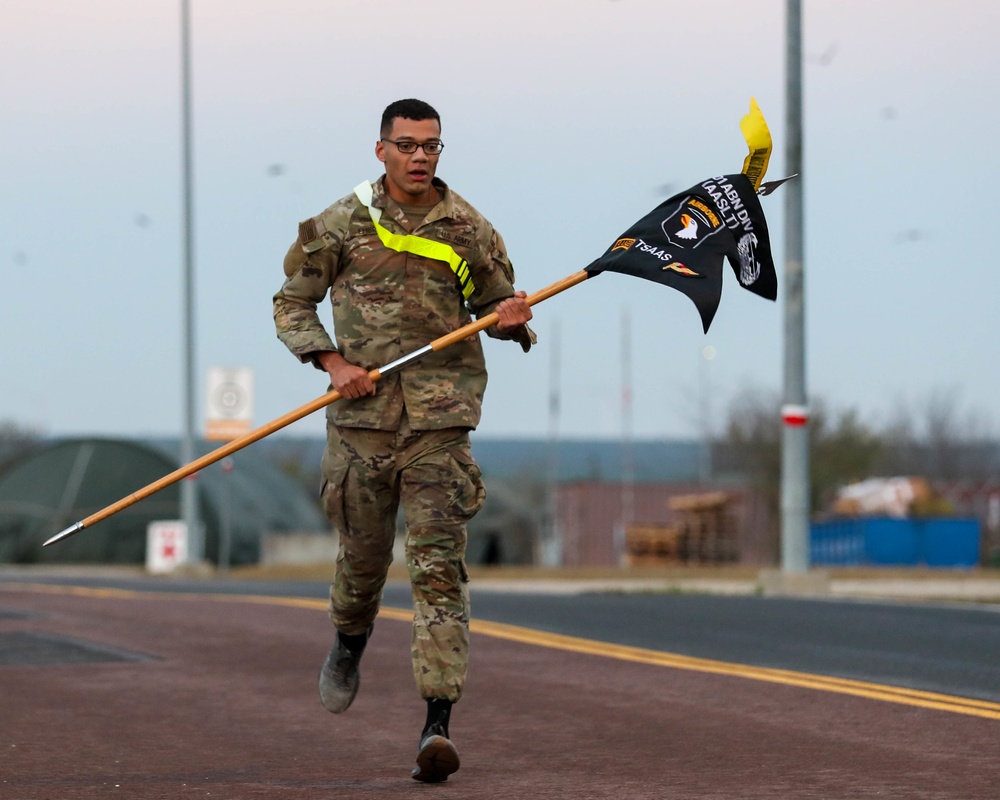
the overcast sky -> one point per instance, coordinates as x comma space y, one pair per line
564, 123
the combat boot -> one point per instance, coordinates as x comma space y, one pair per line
339, 678
437, 757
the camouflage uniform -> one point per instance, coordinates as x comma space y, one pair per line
409, 442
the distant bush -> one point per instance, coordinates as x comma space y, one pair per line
15, 441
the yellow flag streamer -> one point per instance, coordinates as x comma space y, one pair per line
758, 139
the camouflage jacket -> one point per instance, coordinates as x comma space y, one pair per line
387, 304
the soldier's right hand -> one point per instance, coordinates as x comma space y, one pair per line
349, 380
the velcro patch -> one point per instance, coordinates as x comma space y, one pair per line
307, 230
311, 235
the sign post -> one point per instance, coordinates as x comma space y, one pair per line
229, 414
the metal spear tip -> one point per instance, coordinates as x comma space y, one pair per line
769, 186
65, 534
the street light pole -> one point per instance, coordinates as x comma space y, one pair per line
794, 411
189, 494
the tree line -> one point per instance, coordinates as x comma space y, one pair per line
934, 439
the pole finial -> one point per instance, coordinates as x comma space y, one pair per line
65, 534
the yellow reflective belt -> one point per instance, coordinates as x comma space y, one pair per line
408, 243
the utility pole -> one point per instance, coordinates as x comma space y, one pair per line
708, 354
794, 410
189, 489
627, 452
552, 551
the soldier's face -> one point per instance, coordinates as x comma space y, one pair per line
408, 176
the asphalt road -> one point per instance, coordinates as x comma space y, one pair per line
953, 649
165, 689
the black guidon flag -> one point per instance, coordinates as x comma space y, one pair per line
682, 242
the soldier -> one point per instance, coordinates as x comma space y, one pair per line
405, 260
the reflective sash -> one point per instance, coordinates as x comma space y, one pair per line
408, 243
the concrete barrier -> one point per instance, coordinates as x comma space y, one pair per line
298, 548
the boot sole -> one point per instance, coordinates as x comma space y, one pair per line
436, 761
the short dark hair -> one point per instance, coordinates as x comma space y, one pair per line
407, 109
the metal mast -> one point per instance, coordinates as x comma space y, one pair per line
794, 412
189, 494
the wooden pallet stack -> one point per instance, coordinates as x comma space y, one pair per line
653, 544
704, 532
707, 526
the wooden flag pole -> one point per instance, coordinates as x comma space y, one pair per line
302, 411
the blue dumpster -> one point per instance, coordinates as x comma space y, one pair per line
887, 541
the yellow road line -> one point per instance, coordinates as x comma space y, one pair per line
875, 691
557, 641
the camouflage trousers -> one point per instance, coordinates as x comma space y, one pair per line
367, 476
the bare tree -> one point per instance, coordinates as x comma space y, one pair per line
15, 440
843, 448
937, 439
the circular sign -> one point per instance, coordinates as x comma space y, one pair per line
229, 399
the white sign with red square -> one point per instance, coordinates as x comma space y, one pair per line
166, 546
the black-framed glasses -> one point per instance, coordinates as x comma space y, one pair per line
408, 147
